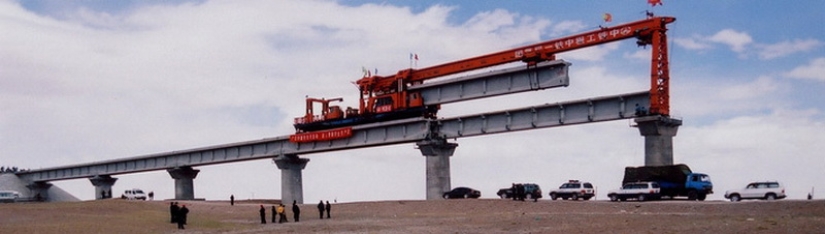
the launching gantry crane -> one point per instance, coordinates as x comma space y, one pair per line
384, 98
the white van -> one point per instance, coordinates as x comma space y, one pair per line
133, 194
9, 196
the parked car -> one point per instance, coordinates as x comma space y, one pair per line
462, 192
133, 194
9, 196
574, 190
531, 191
640, 191
757, 190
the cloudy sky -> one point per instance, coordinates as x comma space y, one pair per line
84, 81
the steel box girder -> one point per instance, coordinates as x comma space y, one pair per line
552, 74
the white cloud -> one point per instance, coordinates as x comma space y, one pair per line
692, 43
736, 40
787, 47
814, 70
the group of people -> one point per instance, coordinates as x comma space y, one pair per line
322, 208
280, 212
178, 214
518, 192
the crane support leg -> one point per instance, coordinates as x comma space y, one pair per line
292, 185
659, 75
184, 186
437, 153
658, 132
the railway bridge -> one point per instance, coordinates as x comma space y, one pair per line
429, 135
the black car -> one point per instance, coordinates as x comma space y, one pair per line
462, 192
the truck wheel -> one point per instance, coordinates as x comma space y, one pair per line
692, 195
503, 196
613, 197
574, 197
702, 196
735, 198
641, 197
770, 197
553, 196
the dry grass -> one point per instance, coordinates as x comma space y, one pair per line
456, 216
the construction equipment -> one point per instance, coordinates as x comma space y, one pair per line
384, 98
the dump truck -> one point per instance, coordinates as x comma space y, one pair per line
675, 180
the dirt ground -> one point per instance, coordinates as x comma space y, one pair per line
441, 216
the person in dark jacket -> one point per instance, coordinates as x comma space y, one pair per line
232, 199
274, 215
263, 214
321, 209
296, 212
328, 207
173, 211
182, 217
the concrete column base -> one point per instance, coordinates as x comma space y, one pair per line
103, 186
437, 154
658, 132
292, 185
40, 190
184, 187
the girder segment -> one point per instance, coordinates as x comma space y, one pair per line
549, 115
551, 74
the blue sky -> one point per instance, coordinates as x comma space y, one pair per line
84, 81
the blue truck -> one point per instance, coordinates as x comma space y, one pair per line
675, 180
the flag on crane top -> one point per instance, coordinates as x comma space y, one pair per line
607, 17
653, 3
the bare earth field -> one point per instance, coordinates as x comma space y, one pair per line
443, 216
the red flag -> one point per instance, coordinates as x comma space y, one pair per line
654, 2
607, 17
416, 57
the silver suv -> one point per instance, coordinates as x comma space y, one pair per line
757, 190
640, 191
574, 190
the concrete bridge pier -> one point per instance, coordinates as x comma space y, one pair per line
184, 188
39, 190
658, 132
437, 153
103, 186
292, 185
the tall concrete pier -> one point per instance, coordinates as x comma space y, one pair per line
103, 186
292, 188
658, 132
438, 154
184, 187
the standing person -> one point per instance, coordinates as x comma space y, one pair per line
282, 213
296, 212
173, 211
151, 195
182, 216
328, 207
273, 214
321, 209
232, 200
262, 211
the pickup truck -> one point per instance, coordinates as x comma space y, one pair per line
641, 191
